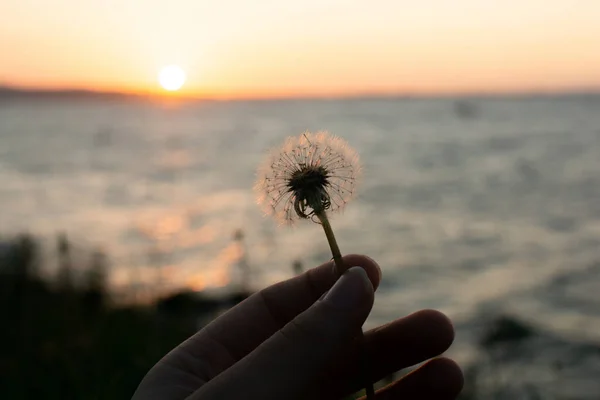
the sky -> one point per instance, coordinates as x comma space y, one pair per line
273, 48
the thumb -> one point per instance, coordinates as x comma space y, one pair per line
290, 363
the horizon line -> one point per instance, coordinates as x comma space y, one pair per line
20, 91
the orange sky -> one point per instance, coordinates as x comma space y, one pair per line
263, 48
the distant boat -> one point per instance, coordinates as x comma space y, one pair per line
103, 137
465, 109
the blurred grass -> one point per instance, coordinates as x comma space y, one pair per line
63, 339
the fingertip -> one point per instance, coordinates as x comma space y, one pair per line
446, 376
438, 326
320, 279
352, 291
368, 264
440, 378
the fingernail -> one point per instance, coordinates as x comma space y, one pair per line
351, 290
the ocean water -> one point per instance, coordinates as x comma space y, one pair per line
474, 213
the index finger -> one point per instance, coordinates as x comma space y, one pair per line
247, 325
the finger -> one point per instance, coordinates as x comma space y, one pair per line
260, 316
438, 379
292, 361
400, 344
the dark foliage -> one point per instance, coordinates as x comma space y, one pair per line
64, 339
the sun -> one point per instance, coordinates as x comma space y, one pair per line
171, 77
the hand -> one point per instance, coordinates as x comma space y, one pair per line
297, 340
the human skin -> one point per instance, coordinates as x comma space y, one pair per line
298, 339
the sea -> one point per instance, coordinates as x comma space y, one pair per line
483, 208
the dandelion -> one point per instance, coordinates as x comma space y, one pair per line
310, 175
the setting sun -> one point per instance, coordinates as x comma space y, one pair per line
171, 77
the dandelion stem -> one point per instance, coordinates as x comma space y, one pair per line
335, 249
339, 268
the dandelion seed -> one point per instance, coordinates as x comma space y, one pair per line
309, 174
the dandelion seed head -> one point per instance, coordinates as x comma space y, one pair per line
310, 173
